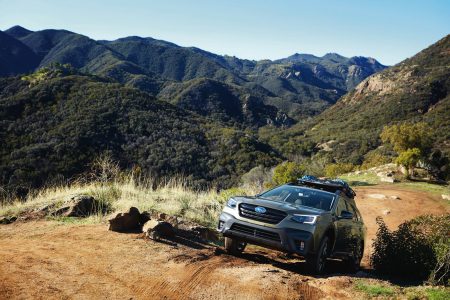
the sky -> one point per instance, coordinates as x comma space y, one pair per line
388, 30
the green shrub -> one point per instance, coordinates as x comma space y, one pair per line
287, 172
333, 170
374, 159
418, 249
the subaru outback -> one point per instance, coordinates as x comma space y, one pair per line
312, 218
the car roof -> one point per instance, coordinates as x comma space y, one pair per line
309, 188
329, 185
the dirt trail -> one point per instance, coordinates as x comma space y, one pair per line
50, 260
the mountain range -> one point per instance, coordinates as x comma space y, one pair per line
299, 86
167, 109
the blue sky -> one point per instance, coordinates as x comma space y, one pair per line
388, 30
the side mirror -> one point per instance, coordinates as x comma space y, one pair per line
346, 215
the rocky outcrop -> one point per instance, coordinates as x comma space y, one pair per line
131, 221
73, 206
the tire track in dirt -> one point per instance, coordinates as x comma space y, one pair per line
48, 260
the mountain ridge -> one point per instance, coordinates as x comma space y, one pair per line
150, 65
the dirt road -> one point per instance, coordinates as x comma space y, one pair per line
51, 260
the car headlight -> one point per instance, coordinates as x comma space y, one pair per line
306, 219
231, 203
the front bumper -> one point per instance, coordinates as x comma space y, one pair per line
284, 239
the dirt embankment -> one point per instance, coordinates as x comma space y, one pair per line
50, 260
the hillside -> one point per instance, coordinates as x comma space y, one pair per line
40, 257
416, 89
299, 86
56, 121
226, 102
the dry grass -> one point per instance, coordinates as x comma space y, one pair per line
173, 197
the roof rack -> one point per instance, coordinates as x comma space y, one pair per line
330, 185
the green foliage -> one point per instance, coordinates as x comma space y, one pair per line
374, 290
437, 294
418, 249
409, 158
374, 159
333, 170
55, 129
287, 172
256, 177
407, 136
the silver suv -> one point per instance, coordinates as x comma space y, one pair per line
315, 219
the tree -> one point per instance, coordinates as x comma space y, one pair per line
409, 159
287, 172
407, 136
412, 142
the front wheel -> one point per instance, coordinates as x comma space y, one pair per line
353, 263
316, 262
234, 246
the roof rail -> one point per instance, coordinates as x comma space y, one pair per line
327, 184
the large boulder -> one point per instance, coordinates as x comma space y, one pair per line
162, 230
130, 221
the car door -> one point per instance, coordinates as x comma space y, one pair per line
343, 227
357, 226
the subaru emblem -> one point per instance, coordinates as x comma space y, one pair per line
260, 210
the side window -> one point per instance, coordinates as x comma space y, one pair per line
341, 206
353, 211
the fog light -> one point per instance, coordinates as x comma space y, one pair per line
302, 245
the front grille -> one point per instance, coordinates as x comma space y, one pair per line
264, 234
271, 216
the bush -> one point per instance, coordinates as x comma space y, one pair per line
256, 178
374, 159
287, 172
333, 170
418, 249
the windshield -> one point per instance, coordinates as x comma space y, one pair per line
300, 196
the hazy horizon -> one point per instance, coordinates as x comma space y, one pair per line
388, 32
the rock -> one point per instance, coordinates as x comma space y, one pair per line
162, 230
445, 197
377, 196
387, 179
78, 206
394, 197
144, 217
386, 212
7, 220
149, 225
132, 220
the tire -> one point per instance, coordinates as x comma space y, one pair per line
353, 263
234, 246
316, 263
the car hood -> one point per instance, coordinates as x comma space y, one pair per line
283, 206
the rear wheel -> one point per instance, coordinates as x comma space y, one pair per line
234, 246
316, 263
